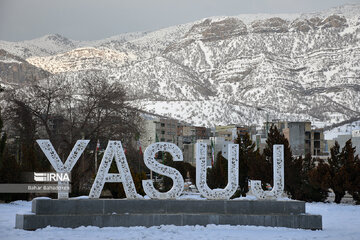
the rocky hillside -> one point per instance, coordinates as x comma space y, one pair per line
224, 70
15, 70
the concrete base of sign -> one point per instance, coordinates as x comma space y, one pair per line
116, 212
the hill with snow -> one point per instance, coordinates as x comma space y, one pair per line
223, 70
15, 70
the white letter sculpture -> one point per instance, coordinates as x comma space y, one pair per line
58, 165
152, 164
114, 149
278, 171
233, 173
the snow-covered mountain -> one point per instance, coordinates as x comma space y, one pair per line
223, 70
15, 70
44, 46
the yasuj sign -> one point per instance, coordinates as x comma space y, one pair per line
115, 151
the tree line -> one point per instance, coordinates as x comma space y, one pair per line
306, 178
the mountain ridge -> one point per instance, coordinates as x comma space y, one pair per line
301, 66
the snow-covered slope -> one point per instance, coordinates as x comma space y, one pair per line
83, 59
54, 44
346, 129
44, 46
223, 70
15, 70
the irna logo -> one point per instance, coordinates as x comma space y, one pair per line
51, 177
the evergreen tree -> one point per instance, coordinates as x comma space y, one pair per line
350, 170
336, 178
354, 181
259, 169
246, 157
308, 189
341, 174
292, 175
217, 175
319, 177
183, 167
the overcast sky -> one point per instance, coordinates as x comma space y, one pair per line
98, 19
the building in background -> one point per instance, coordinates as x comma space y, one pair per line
317, 142
241, 130
227, 132
190, 134
343, 138
171, 130
220, 145
189, 154
302, 136
260, 139
160, 130
303, 139
231, 132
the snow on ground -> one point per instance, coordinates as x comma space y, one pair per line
339, 222
345, 129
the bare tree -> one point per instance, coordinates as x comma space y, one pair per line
66, 107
